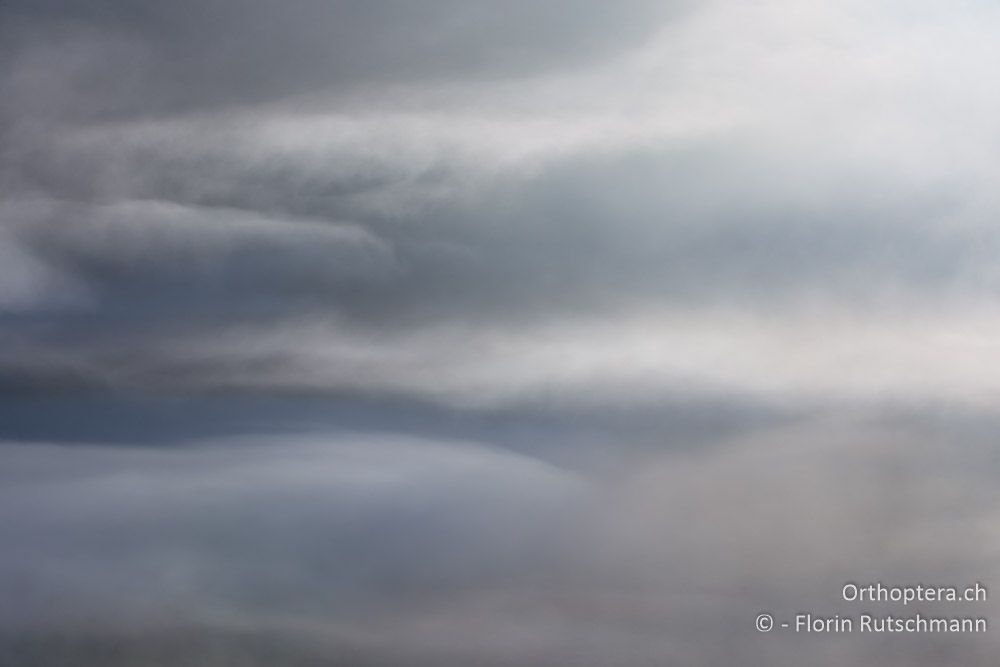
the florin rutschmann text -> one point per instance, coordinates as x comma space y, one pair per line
915, 622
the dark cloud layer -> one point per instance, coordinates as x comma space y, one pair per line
140, 57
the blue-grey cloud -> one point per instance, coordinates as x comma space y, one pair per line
450, 551
490, 333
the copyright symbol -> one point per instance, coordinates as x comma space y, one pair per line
765, 622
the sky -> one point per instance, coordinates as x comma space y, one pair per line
513, 334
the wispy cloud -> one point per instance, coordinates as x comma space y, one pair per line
646, 315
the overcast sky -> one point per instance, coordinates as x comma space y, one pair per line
453, 332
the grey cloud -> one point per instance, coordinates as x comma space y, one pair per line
130, 57
452, 552
744, 217
163, 248
28, 282
303, 300
491, 333
360, 517
694, 222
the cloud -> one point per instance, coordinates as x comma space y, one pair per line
141, 57
452, 551
27, 282
172, 247
359, 515
481, 333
